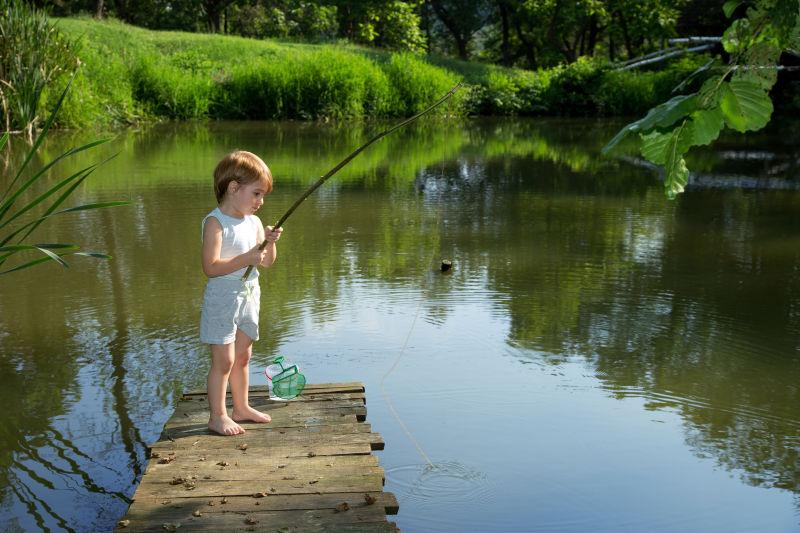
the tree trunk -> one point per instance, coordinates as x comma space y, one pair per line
625, 35
611, 50
449, 22
593, 30
214, 9
98, 12
551, 30
528, 48
504, 45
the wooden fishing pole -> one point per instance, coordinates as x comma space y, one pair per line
346, 160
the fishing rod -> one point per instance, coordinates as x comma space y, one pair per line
346, 160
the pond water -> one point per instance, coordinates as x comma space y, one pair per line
599, 358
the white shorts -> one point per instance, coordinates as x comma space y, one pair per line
228, 305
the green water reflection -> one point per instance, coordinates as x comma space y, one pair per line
691, 308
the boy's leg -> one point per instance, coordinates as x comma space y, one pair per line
240, 381
222, 357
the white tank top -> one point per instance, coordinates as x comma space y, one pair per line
238, 236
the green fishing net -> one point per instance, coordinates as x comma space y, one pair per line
289, 382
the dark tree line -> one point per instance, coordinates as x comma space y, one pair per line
522, 33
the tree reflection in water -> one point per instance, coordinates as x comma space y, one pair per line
693, 306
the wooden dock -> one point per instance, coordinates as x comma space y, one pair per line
310, 469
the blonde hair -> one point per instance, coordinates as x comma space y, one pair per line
243, 168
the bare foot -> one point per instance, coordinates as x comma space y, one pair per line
223, 425
248, 414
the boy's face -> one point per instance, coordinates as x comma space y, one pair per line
247, 199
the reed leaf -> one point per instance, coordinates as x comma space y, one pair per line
39, 199
17, 186
43, 248
40, 137
57, 203
85, 207
39, 261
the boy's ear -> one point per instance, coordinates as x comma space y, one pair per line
233, 186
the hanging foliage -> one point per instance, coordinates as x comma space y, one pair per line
735, 95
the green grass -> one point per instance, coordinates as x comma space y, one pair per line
129, 74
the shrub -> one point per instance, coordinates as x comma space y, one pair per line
416, 84
171, 92
572, 88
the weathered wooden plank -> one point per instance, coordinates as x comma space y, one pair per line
272, 502
210, 443
243, 472
167, 518
354, 386
256, 466
257, 461
266, 431
284, 420
320, 396
199, 413
265, 403
200, 488
298, 451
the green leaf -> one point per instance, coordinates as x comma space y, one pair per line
35, 222
706, 125
44, 248
661, 116
730, 6
654, 146
761, 61
3, 140
26, 265
21, 247
745, 105
8, 202
708, 95
42, 197
60, 200
99, 205
41, 136
96, 255
737, 32
53, 256
677, 175
682, 85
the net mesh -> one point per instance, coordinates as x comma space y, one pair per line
289, 383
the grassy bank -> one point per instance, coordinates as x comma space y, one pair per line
129, 74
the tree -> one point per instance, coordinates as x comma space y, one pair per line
733, 95
213, 10
462, 19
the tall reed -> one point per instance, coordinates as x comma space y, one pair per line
33, 54
18, 219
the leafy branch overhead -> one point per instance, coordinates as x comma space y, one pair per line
735, 95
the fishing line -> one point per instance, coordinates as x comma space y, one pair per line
317, 184
400, 355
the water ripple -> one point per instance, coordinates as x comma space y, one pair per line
444, 483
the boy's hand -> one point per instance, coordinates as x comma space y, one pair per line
272, 235
256, 256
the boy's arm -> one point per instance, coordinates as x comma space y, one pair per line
213, 265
